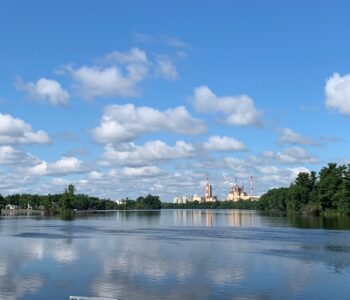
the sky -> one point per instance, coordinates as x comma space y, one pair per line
127, 98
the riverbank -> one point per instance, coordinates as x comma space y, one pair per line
19, 212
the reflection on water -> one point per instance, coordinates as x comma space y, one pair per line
175, 254
209, 218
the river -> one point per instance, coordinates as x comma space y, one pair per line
175, 254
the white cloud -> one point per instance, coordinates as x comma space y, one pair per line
95, 175
124, 71
166, 68
273, 176
292, 155
149, 171
295, 172
288, 136
134, 55
59, 183
239, 110
46, 91
64, 166
121, 123
240, 167
267, 169
10, 156
104, 82
223, 143
16, 131
15, 182
150, 152
337, 91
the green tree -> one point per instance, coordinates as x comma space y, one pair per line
343, 196
148, 202
70, 190
67, 199
330, 183
2, 203
47, 204
274, 199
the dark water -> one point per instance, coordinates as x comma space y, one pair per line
175, 254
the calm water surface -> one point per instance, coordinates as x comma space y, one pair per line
175, 254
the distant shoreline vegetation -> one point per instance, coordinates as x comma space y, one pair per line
325, 193
68, 202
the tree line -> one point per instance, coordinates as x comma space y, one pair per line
51, 203
70, 201
326, 192
323, 193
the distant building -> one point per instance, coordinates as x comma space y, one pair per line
11, 206
198, 198
182, 199
121, 201
237, 193
208, 195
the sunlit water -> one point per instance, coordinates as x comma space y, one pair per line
175, 254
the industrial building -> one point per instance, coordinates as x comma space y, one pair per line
208, 194
182, 199
185, 199
237, 192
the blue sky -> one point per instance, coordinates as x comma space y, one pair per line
129, 98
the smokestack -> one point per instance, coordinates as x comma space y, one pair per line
251, 185
207, 190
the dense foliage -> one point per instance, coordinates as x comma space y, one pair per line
2, 203
50, 203
241, 204
148, 202
69, 201
327, 192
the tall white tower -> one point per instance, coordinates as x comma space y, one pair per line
251, 186
207, 190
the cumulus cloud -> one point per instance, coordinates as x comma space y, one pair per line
267, 169
239, 110
12, 156
16, 182
106, 82
118, 75
64, 166
94, 175
292, 155
288, 136
337, 92
149, 171
150, 152
45, 91
166, 68
16, 131
295, 171
274, 176
121, 123
223, 143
